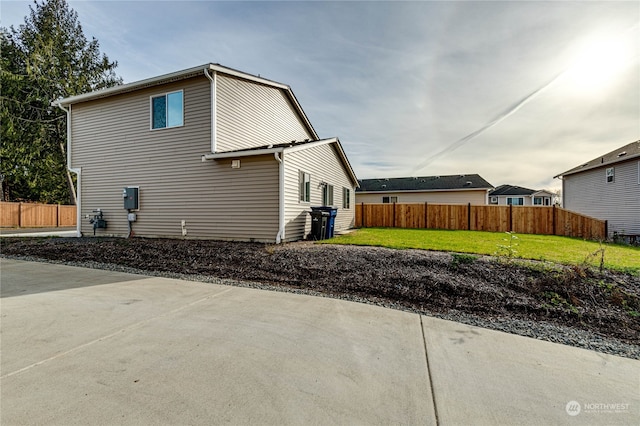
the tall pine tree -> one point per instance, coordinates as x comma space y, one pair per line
46, 58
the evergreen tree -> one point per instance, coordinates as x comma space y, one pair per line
46, 58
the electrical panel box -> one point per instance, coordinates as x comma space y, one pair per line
130, 196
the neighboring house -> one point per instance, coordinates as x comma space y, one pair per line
506, 195
211, 152
607, 188
455, 189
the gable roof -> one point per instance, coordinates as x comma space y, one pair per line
425, 183
511, 190
285, 148
623, 153
185, 74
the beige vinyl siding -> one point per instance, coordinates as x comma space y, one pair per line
114, 146
475, 197
324, 165
251, 114
618, 202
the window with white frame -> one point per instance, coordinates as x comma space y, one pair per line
327, 195
305, 187
167, 110
610, 173
515, 201
494, 200
346, 198
389, 200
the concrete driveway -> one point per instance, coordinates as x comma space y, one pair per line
83, 346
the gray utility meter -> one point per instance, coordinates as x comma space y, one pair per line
130, 196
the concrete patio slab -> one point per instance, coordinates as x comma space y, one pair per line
160, 351
486, 377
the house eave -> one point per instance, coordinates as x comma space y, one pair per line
287, 150
598, 165
130, 87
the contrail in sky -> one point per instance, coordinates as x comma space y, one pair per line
507, 113
511, 110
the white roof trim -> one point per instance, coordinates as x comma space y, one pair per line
165, 78
264, 151
239, 154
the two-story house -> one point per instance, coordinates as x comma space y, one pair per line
207, 152
607, 188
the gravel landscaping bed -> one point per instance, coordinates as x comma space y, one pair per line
575, 306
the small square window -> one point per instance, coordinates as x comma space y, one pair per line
610, 175
167, 110
389, 200
494, 200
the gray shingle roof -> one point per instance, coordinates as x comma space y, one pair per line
624, 153
511, 190
424, 183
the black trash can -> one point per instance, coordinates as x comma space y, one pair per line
319, 221
331, 221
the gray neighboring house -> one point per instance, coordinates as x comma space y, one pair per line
452, 189
607, 188
505, 195
212, 153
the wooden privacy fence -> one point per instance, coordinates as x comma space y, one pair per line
520, 219
34, 215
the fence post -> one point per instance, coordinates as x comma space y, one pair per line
19, 215
394, 215
510, 217
426, 216
553, 220
362, 215
606, 230
468, 216
58, 215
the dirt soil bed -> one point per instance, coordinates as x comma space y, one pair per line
604, 303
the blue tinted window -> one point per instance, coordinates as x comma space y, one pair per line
159, 112
174, 109
167, 110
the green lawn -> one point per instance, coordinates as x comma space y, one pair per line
539, 247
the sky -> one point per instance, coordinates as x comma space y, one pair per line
515, 91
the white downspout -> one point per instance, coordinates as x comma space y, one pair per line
281, 219
214, 113
77, 171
